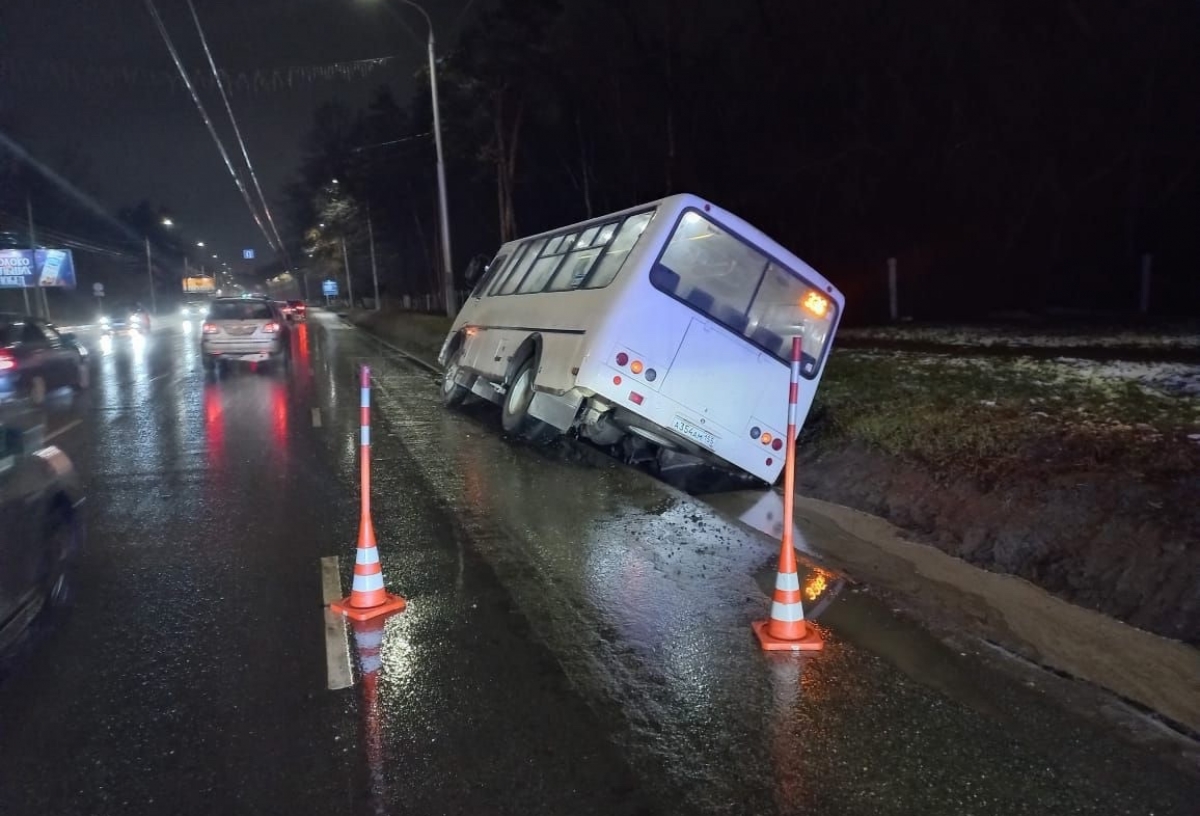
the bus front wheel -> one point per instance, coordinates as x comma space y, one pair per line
453, 394
514, 415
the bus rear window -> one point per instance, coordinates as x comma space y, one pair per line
722, 276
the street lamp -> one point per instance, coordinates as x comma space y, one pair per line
443, 207
200, 244
166, 221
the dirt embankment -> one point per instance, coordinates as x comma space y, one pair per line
1108, 541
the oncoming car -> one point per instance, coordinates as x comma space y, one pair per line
125, 321
245, 329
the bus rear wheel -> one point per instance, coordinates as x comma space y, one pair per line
515, 416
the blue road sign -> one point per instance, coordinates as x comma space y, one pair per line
248, 254
329, 288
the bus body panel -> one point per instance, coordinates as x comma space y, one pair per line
738, 388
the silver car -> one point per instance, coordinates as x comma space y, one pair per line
247, 329
40, 498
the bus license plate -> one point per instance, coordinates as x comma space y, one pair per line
693, 433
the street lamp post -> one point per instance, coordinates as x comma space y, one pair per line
346, 266
150, 275
443, 206
374, 269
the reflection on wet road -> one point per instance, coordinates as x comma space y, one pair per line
577, 638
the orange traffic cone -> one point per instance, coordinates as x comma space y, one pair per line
786, 629
368, 599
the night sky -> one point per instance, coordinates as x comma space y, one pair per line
137, 139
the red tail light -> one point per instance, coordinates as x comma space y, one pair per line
210, 328
7, 361
270, 328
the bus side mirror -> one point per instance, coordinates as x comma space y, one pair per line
475, 270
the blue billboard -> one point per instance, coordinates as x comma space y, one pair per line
30, 268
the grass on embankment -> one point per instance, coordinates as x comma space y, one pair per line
992, 415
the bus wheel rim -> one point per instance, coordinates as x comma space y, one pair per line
522, 395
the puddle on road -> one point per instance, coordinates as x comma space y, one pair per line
852, 613
1040, 628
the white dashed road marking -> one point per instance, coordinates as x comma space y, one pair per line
337, 651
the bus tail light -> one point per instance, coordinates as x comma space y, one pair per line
766, 439
651, 375
636, 366
622, 359
635, 398
777, 444
7, 361
617, 379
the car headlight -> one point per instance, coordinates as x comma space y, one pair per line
105, 321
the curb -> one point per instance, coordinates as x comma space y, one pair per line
408, 355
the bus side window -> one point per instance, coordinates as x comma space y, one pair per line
547, 265
608, 267
582, 258
520, 268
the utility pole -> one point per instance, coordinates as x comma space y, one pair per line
443, 206
1144, 298
893, 296
346, 267
150, 275
374, 269
33, 248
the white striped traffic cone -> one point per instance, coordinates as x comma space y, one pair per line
786, 629
368, 599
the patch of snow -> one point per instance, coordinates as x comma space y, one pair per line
1177, 379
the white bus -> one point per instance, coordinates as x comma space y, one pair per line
665, 327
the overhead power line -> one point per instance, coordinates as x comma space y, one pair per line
237, 179
91, 78
237, 131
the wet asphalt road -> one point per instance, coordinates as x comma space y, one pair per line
577, 638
